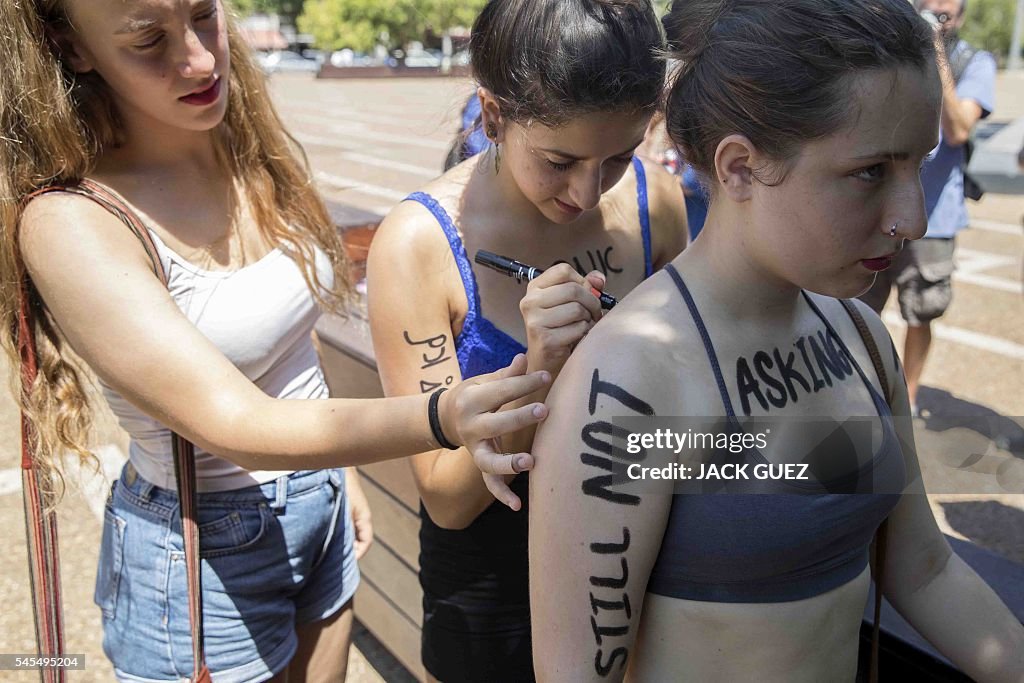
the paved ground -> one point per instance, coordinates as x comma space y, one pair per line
373, 142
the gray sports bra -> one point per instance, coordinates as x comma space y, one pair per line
757, 545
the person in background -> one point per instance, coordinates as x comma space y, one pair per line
923, 271
470, 139
659, 148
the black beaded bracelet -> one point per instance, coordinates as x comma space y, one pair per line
435, 421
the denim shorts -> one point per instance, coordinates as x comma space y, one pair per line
273, 556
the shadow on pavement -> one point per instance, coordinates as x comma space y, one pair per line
989, 524
378, 657
942, 411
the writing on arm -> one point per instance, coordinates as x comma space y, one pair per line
610, 608
434, 352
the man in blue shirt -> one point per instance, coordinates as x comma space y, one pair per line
923, 270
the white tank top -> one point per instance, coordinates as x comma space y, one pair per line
260, 317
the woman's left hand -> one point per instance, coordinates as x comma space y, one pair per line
360, 510
471, 414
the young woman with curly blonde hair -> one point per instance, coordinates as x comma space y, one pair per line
157, 105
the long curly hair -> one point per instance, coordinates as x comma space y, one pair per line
54, 125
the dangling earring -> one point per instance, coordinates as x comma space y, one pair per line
893, 228
492, 135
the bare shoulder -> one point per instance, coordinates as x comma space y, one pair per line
61, 211
411, 263
60, 226
410, 234
640, 345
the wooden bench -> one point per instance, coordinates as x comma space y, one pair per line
389, 600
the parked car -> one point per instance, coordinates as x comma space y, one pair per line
285, 60
422, 57
348, 57
318, 56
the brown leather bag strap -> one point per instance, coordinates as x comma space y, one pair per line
872, 347
40, 520
881, 543
185, 475
43, 542
881, 536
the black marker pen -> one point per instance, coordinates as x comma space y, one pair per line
522, 272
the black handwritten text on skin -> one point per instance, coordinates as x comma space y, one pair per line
782, 380
436, 352
599, 259
610, 606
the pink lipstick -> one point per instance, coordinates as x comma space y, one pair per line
877, 264
203, 97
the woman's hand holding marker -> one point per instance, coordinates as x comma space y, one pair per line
521, 271
559, 308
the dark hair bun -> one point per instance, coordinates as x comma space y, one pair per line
550, 60
777, 71
687, 25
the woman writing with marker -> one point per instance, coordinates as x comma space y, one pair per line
810, 120
152, 113
567, 88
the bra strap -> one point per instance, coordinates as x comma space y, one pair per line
462, 260
643, 208
705, 338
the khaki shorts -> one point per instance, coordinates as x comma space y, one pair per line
922, 273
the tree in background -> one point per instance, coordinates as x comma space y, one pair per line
288, 10
989, 25
358, 24
361, 24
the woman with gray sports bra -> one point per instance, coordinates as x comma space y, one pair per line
809, 121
